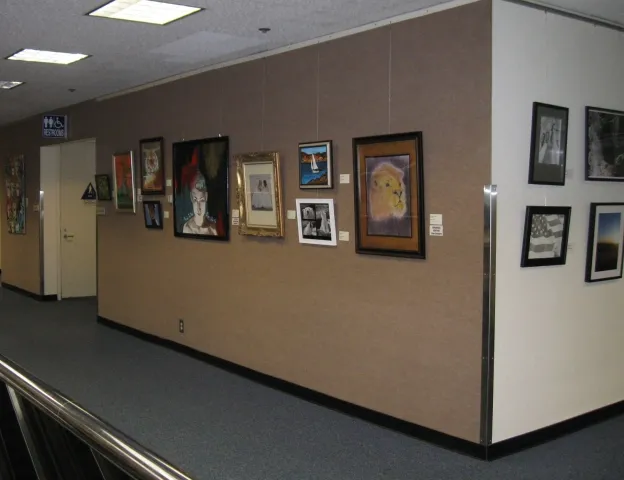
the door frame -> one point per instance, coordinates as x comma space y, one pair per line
50, 191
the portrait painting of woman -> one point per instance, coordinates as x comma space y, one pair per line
200, 181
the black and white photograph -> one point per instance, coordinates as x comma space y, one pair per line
316, 221
545, 236
261, 192
604, 145
549, 138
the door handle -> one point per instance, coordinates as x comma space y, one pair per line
68, 236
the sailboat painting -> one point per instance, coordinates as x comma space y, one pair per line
315, 165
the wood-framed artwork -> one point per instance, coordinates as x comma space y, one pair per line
545, 236
102, 187
152, 214
316, 169
200, 189
389, 195
15, 195
604, 145
259, 194
151, 151
123, 178
549, 144
604, 242
316, 221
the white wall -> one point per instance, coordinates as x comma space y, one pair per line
559, 348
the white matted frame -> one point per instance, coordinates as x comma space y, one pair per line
259, 194
316, 221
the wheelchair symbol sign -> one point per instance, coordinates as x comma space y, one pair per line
54, 126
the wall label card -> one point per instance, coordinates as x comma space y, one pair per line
435, 219
436, 230
291, 214
165, 214
343, 236
235, 220
345, 178
168, 182
100, 211
235, 214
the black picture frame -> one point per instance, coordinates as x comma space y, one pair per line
156, 185
549, 144
602, 262
326, 181
372, 235
536, 251
208, 160
103, 187
604, 145
153, 214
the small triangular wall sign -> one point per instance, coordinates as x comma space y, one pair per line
89, 193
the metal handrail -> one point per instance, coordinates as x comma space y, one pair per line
119, 449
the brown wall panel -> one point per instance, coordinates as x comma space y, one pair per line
396, 335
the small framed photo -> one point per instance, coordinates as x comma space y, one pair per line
316, 221
604, 145
389, 195
316, 167
152, 213
604, 243
152, 166
549, 140
102, 187
545, 236
123, 176
259, 194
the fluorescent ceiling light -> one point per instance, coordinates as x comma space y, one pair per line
146, 11
28, 55
9, 85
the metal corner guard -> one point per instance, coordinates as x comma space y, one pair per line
116, 447
489, 296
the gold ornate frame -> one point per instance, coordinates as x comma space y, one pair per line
258, 158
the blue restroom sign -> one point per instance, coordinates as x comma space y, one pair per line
55, 126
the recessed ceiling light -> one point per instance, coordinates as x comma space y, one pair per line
146, 11
28, 55
9, 85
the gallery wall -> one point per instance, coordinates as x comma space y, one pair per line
399, 336
558, 345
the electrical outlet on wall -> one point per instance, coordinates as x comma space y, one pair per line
181, 326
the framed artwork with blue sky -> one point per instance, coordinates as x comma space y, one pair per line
316, 165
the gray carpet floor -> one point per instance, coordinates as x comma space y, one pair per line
215, 425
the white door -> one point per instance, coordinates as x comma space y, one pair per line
78, 222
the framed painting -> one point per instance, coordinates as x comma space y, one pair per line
123, 175
604, 242
389, 195
316, 221
259, 194
102, 187
200, 189
549, 144
15, 195
152, 166
152, 214
545, 236
316, 165
604, 145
